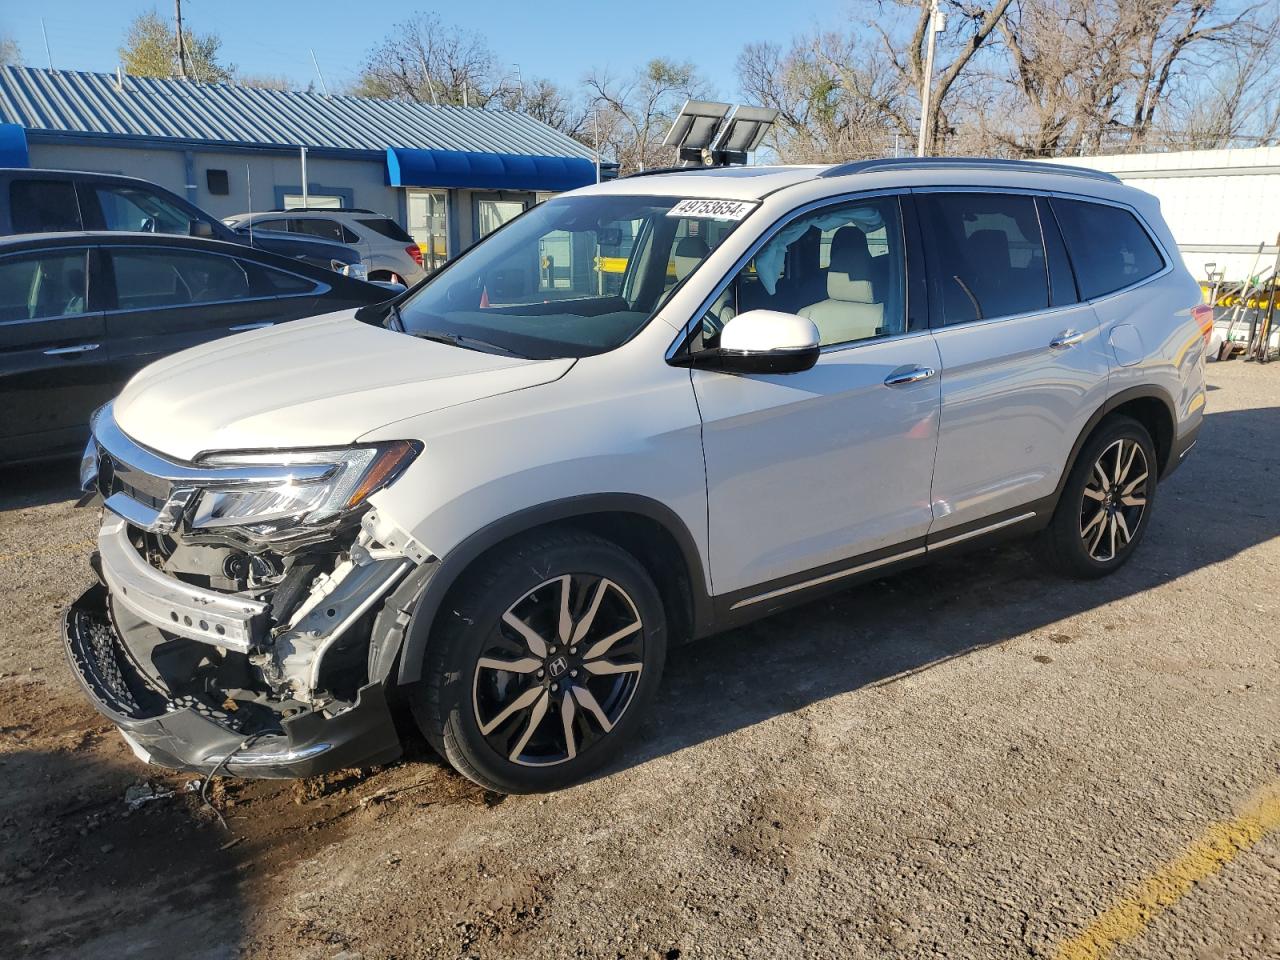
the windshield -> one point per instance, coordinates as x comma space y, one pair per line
574, 276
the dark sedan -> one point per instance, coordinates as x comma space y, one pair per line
80, 313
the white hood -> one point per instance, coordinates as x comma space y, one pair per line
324, 381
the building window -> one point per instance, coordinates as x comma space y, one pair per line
315, 201
429, 225
216, 181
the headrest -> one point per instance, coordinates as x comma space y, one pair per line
989, 248
849, 251
841, 286
694, 247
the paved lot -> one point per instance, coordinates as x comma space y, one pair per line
973, 760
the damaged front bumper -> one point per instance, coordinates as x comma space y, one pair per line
259, 649
188, 734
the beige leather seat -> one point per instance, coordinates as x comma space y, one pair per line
689, 252
850, 311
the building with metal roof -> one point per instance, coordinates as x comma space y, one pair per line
448, 174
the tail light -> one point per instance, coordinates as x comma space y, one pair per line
1203, 315
414, 251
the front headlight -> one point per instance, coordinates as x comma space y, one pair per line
355, 474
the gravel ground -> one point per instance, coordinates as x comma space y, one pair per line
970, 760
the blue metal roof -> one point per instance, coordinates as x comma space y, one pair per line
73, 102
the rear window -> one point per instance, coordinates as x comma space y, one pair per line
1109, 248
44, 206
388, 228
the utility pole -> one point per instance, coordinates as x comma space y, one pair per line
937, 23
182, 47
323, 86
47, 53
306, 198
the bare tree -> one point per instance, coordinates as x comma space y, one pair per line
10, 52
1234, 101
428, 61
545, 101
971, 24
1087, 73
634, 113
835, 98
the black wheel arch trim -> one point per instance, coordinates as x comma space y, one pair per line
1112, 403
447, 570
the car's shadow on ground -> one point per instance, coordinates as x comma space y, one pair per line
38, 484
1220, 503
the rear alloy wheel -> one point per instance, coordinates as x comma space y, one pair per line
552, 649
1106, 502
1114, 499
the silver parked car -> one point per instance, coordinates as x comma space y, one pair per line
386, 248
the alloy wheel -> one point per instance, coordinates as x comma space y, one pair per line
559, 671
1115, 499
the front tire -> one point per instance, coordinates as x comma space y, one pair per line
543, 662
1106, 503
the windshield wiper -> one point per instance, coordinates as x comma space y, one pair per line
466, 343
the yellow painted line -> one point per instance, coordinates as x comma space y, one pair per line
1206, 855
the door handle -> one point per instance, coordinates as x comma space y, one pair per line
909, 376
78, 348
251, 326
1068, 338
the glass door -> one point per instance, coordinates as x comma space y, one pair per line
429, 225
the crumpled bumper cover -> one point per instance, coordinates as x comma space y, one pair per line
193, 737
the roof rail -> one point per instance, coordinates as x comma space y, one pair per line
967, 163
329, 210
697, 168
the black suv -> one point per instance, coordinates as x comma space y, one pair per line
56, 201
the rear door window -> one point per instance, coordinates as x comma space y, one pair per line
43, 285
324, 229
1109, 248
44, 206
986, 256
150, 279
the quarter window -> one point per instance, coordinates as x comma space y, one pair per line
44, 206
986, 257
150, 279
843, 267
1108, 246
46, 285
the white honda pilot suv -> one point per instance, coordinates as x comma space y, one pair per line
642, 412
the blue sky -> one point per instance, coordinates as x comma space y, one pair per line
556, 40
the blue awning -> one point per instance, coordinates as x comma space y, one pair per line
486, 171
13, 146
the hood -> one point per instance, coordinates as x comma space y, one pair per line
324, 381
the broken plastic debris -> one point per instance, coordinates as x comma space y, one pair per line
142, 793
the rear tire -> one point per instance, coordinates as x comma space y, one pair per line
1106, 503
542, 662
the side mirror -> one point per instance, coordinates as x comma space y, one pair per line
762, 341
201, 228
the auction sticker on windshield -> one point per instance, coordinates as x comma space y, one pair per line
713, 209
